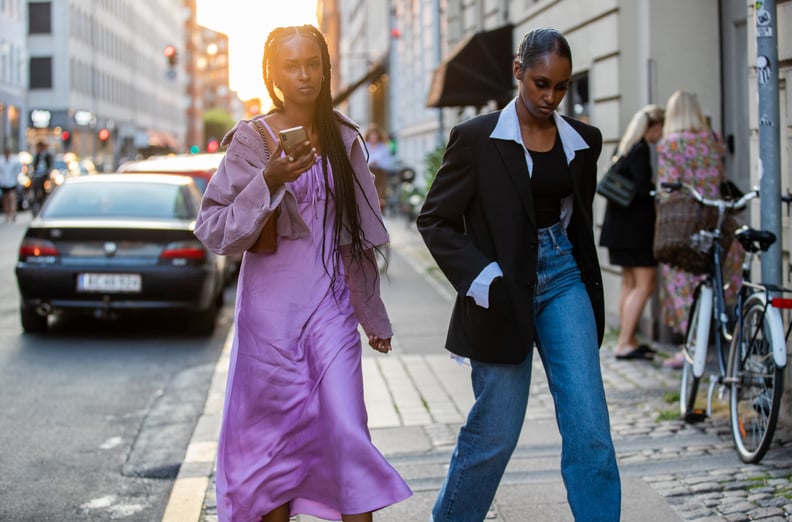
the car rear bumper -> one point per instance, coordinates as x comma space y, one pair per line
162, 288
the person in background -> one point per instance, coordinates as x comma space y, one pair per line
10, 167
380, 161
691, 152
508, 218
42, 166
628, 232
294, 438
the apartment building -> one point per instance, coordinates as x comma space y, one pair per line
109, 74
13, 72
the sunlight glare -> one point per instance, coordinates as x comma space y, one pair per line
247, 24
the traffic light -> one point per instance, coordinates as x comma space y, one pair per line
66, 139
212, 145
252, 107
170, 55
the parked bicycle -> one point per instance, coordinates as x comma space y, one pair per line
751, 349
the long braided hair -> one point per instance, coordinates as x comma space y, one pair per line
347, 214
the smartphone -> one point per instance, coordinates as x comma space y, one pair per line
293, 139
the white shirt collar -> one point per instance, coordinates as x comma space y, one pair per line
508, 128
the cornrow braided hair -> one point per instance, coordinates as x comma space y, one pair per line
347, 214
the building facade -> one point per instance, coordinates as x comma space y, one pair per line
109, 79
358, 35
13, 72
109, 74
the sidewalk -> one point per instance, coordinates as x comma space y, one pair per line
416, 402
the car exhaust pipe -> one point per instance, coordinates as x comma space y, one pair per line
44, 309
101, 314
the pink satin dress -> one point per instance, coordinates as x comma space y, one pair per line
294, 425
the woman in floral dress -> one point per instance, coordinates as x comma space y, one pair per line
690, 152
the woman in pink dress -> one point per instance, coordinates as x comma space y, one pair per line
690, 152
294, 438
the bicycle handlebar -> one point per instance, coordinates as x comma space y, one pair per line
672, 186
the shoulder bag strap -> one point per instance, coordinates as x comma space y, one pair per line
263, 133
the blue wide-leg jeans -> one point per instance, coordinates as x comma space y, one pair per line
566, 338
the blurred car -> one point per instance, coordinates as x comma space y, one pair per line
200, 167
86, 167
69, 164
114, 244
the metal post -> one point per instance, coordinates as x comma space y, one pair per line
438, 60
769, 164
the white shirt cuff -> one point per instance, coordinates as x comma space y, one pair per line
479, 289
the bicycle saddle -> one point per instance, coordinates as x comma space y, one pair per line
753, 240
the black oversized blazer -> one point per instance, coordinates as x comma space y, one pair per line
480, 209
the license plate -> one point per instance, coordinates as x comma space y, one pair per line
109, 283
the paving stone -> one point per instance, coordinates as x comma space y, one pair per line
763, 513
738, 507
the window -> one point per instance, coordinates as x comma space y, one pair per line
39, 18
41, 73
576, 103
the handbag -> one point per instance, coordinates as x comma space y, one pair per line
616, 186
267, 241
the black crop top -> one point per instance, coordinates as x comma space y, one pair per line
551, 183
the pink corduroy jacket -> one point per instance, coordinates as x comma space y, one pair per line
237, 203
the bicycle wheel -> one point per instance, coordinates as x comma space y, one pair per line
755, 383
690, 383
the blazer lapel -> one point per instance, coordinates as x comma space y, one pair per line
514, 162
576, 173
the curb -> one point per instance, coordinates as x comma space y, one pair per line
189, 490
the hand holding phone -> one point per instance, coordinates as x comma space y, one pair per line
293, 141
299, 156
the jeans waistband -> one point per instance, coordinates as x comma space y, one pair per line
551, 233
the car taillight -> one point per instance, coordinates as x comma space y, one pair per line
192, 250
33, 248
781, 302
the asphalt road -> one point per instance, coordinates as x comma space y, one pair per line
95, 416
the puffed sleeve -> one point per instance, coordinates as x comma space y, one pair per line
362, 277
237, 201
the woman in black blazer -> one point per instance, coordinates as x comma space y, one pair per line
628, 232
509, 221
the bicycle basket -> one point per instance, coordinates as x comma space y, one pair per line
683, 233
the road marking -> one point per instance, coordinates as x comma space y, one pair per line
186, 500
111, 443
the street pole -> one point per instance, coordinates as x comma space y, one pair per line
769, 164
438, 60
